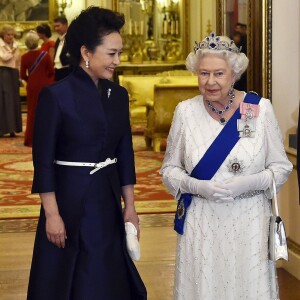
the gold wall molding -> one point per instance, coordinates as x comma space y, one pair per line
293, 246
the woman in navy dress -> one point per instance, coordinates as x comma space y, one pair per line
80, 248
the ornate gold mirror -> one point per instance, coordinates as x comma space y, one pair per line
257, 16
155, 30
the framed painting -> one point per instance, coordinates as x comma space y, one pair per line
25, 14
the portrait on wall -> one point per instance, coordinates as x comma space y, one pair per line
24, 10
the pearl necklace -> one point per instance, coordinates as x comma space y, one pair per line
220, 113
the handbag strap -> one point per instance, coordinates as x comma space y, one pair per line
275, 198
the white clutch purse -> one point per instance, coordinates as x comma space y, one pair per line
132, 242
277, 238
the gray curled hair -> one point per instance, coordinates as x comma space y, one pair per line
238, 62
31, 40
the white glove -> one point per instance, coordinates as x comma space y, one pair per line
208, 189
132, 242
256, 182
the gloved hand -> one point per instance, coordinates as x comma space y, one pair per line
256, 182
208, 189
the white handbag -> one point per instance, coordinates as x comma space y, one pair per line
132, 242
277, 238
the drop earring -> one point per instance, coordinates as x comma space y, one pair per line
87, 64
231, 90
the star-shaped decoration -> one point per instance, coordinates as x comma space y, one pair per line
235, 166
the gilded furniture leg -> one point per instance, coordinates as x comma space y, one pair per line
156, 144
148, 141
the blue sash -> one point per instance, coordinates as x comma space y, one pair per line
36, 63
213, 159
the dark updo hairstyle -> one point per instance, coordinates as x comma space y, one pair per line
89, 28
44, 29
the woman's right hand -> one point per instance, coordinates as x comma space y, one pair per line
55, 226
55, 230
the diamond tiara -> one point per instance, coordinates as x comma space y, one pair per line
213, 42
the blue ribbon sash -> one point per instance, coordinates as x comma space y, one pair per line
36, 63
212, 159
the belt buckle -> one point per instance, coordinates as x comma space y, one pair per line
98, 165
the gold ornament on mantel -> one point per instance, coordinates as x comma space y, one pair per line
137, 53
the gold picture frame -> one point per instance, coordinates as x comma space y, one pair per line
259, 43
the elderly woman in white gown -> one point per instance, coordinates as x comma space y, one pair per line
224, 149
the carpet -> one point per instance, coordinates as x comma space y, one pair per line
16, 170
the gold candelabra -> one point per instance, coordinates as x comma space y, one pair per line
62, 5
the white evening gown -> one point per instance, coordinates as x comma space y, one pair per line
223, 253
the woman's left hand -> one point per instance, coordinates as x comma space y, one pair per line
243, 184
130, 215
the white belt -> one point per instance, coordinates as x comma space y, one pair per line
96, 166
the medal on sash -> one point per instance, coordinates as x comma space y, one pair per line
235, 166
246, 126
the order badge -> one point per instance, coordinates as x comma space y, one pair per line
246, 128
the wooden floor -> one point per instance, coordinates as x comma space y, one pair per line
156, 265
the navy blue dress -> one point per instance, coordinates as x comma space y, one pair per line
77, 122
